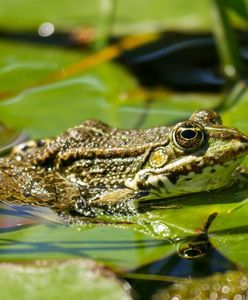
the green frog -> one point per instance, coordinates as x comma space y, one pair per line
94, 168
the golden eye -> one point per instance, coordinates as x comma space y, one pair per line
188, 136
158, 158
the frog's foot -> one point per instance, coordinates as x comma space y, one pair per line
82, 208
116, 209
115, 202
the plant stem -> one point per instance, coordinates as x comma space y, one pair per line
108, 9
226, 42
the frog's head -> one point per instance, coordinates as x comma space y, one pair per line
201, 155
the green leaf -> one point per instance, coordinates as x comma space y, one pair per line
72, 279
61, 104
239, 7
229, 232
131, 16
235, 112
96, 93
120, 248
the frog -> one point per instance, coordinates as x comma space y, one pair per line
94, 169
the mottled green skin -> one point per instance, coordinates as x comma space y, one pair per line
96, 166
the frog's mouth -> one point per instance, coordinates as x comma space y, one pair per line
219, 157
192, 173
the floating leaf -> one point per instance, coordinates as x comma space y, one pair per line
72, 279
120, 248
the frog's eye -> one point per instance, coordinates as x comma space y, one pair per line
188, 136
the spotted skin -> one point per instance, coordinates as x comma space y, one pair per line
94, 168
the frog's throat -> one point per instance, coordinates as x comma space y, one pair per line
171, 185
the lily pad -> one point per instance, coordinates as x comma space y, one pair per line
122, 249
130, 15
62, 104
38, 234
73, 279
107, 92
229, 232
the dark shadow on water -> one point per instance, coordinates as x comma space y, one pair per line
178, 267
176, 60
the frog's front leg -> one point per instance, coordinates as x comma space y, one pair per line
118, 201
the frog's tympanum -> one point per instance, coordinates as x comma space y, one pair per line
95, 167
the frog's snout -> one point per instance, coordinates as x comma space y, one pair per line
245, 146
239, 142
243, 140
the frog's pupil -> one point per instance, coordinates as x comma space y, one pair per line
188, 134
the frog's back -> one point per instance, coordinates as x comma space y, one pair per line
96, 154
96, 134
